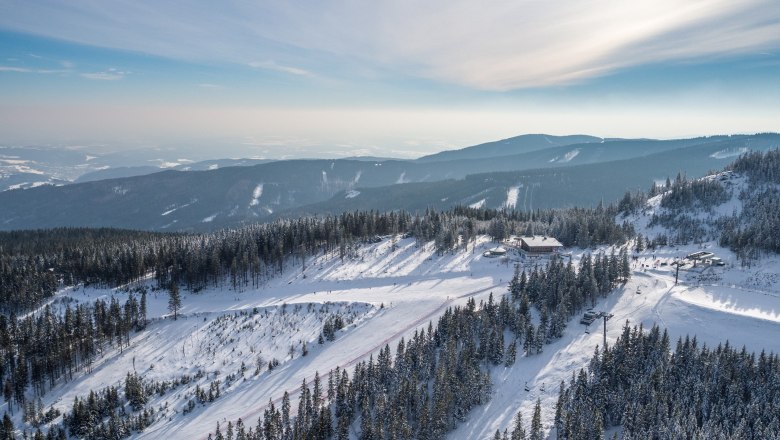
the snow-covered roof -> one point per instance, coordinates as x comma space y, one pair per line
541, 240
498, 250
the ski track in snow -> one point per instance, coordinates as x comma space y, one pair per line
256, 194
477, 205
730, 152
570, 155
512, 193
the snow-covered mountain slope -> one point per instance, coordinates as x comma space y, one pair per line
384, 292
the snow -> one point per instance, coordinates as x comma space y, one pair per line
209, 218
392, 288
25, 185
214, 166
566, 157
15, 161
256, 194
402, 178
570, 155
25, 169
511, 196
731, 152
174, 208
351, 194
478, 204
712, 313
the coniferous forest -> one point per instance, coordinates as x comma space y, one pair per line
693, 392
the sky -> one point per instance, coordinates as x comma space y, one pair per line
400, 78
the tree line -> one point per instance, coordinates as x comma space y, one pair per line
33, 264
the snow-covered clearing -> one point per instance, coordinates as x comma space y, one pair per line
478, 204
174, 208
389, 289
512, 193
256, 194
730, 152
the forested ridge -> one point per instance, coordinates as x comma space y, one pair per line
34, 263
687, 207
757, 227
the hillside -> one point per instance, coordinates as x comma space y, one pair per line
228, 197
581, 185
511, 146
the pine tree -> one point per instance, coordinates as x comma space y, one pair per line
537, 431
174, 300
142, 311
511, 353
518, 432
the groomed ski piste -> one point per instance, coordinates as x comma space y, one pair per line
386, 291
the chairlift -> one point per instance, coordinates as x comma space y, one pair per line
527, 388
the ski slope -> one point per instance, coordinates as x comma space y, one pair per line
714, 314
384, 290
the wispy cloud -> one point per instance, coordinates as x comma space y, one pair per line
29, 70
272, 65
107, 75
493, 44
210, 86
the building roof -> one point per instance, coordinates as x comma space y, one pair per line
540, 240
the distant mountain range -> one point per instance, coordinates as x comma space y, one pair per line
525, 172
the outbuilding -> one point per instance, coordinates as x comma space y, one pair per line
496, 252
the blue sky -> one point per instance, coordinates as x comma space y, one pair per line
397, 78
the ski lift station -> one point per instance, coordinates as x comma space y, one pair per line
706, 258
